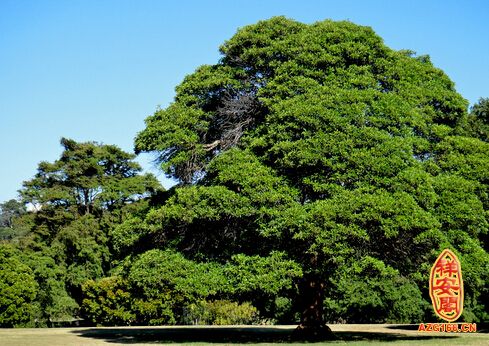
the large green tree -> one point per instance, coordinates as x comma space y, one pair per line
321, 142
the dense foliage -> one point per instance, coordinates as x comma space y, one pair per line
17, 289
319, 175
360, 163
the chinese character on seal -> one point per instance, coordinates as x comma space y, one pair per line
446, 286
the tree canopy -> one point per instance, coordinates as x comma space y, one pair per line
321, 142
88, 177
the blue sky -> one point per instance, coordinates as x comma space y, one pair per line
94, 70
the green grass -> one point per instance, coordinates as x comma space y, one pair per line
358, 335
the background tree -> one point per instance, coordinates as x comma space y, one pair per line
10, 210
320, 141
479, 120
88, 178
11, 223
78, 201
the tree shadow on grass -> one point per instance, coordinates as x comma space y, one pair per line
227, 335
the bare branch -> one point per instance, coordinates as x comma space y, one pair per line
212, 145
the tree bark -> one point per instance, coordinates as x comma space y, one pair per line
312, 325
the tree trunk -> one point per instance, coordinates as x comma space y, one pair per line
312, 326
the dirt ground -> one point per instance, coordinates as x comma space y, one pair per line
359, 334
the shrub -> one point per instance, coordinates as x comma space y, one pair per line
220, 312
107, 302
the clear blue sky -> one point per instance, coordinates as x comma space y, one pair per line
93, 70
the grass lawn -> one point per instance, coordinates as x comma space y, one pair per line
351, 334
